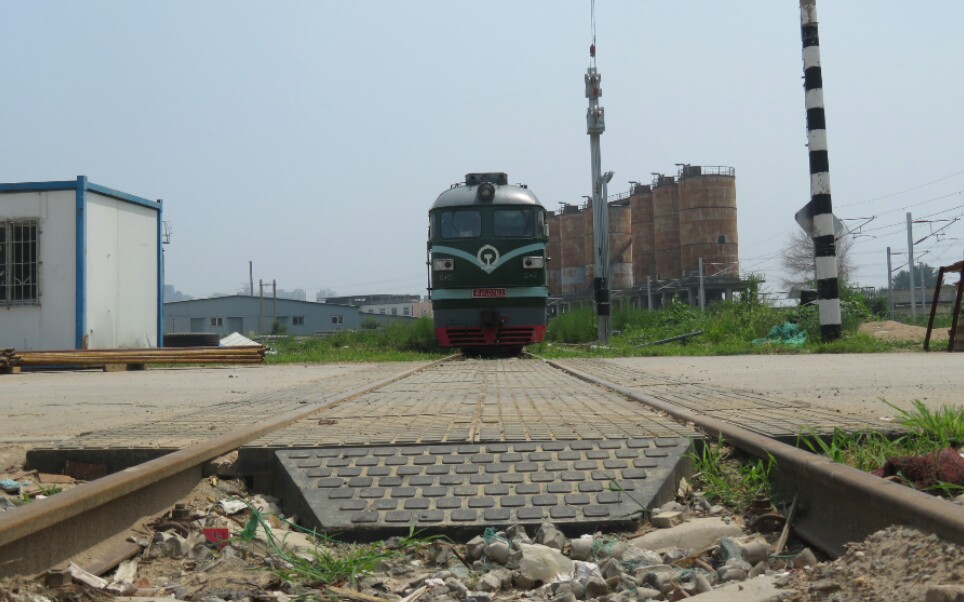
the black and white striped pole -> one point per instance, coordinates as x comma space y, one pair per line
820, 208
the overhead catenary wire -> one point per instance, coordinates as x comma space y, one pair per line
911, 189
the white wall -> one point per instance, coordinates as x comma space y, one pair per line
121, 274
50, 325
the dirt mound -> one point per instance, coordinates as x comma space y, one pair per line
898, 563
889, 330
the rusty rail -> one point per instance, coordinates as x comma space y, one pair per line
837, 504
37, 536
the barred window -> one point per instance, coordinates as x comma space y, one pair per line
19, 262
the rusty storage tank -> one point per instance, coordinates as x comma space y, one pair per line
554, 253
620, 245
666, 227
572, 273
707, 220
641, 209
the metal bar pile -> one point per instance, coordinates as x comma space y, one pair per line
253, 354
8, 358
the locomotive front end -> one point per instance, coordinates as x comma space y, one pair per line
487, 257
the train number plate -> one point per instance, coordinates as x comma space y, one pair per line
482, 293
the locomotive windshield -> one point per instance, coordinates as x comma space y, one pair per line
462, 223
514, 222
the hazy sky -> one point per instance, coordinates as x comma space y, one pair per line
312, 137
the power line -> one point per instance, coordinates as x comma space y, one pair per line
893, 194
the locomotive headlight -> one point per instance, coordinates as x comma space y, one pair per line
486, 192
534, 262
443, 265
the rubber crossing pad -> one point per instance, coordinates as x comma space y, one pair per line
594, 482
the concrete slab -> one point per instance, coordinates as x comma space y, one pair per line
694, 534
758, 589
768, 414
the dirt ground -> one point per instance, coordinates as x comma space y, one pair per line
849, 383
889, 330
39, 407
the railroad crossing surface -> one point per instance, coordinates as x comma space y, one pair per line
465, 443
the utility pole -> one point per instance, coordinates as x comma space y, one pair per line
251, 277
649, 293
595, 126
274, 302
260, 306
702, 290
910, 266
923, 285
890, 288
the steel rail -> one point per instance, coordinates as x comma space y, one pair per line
37, 536
837, 504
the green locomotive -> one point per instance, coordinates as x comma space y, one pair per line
487, 257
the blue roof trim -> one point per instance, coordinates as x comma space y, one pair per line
123, 196
80, 242
38, 186
72, 185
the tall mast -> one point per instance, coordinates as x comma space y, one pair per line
595, 126
820, 206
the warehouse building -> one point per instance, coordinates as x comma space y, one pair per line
256, 315
80, 267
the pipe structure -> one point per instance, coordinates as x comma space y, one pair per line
595, 126
825, 253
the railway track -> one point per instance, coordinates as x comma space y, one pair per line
836, 504
36, 537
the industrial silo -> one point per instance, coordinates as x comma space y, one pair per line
620, 245
707, 220
573, 265
641, 208
666, 228
554, 253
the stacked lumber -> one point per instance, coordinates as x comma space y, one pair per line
253, 354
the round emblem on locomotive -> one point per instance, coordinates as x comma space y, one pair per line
488, 256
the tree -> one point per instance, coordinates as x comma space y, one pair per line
797, 259
901, 279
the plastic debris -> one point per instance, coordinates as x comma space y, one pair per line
784, 334
10, 486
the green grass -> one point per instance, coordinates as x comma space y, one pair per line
728, 328
330, 562
334, 563
729, 480
734, 482
927, 431
397, 341
941, 428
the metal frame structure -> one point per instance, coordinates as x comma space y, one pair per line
956, 312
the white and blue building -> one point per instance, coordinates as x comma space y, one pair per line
81, 267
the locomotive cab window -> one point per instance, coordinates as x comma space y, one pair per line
463, 223
514, 222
